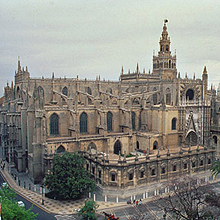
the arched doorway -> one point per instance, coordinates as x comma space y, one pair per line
155, 145
191, 138
117, 147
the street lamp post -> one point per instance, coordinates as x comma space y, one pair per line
42, 201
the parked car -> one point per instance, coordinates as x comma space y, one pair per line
21, 204
5, 185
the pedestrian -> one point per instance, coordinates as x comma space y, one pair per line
140, 202
134, 201
137, 203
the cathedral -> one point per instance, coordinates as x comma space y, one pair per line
145, 127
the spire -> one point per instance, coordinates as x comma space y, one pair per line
137, 68
165, 33
204, 71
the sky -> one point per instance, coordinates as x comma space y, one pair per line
89, 38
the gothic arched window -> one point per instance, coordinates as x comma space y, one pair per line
155, 96
189, 94
215, 139
60, 149
89, 91
174, 124
54, 124
65, 91
83, 123
137, 145
133, 120
168, 96
109, 121
117, 147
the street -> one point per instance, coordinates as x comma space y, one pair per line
42, 214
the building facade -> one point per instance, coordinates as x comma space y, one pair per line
159, 118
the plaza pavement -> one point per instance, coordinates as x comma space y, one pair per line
64, 207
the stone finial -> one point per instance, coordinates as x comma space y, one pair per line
52, 75
178, 74
26, 69
137, 68
144, 71
124, 157
194, 76
181, 149
19, 64
158, 153
186, 75
190, 147
119, 156
122, 70
77, 78
136, 156
147, 154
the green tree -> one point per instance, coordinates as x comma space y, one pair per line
215, 169
88, 210
68, 179
10, 208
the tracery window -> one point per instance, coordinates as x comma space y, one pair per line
83, 123
54, 124
109, 121
133, 120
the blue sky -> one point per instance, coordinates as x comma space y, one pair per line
91, 38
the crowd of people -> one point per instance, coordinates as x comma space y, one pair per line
135, 202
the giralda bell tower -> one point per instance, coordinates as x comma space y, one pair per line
164, 64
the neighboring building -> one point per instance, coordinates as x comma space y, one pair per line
215, 121
161, 118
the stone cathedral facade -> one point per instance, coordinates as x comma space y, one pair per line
148, 126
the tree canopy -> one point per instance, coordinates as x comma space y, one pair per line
68, 179
188, 200
10, 208
215, 169
88, 210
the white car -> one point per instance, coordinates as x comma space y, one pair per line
5, 185
21, 204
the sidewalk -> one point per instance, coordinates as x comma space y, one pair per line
68, 207
50, 205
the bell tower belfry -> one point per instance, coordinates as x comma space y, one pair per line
164, 63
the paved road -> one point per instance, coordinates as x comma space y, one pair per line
42, 214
